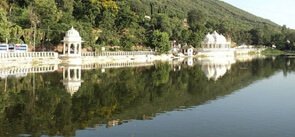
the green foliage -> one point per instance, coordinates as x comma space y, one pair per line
160, 41
114, 22
196, 20
163, 23
272, 52
46, 12
279, 40
127, 41
196, 38
4, 26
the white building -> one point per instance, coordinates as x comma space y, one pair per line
188, 51
215, 41
216, 45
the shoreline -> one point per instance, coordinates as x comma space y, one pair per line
133, 56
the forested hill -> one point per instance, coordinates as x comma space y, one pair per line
216, 10
137, 24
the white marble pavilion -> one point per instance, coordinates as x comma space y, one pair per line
215, 41
215, 44
72, 47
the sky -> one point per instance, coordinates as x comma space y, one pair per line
281, 12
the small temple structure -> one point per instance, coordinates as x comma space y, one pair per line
72, 46
215, 44
215, 41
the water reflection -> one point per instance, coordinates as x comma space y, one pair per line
215, 68
71, 97
22, 70
72, 77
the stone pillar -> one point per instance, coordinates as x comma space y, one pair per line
75, 49
69, 48
80, 49
64, 49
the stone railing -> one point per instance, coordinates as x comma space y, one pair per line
88, 54
116, 65
117, 53
7, 55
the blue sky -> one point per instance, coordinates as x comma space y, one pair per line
279, 11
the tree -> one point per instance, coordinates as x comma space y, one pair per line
196, 19
125, 18
257, 36
163, 23
127, 41
196, 38
185, 36
160, 41
284, 29
4, 26
242, 37
47, 13
137, 6
279, 40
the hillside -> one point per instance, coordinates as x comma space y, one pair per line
216, 10
134, 24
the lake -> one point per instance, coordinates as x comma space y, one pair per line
194, 98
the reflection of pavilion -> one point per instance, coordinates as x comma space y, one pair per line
72, 78
190, 61
215, 68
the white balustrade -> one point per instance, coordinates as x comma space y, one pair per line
16, 55
117, 53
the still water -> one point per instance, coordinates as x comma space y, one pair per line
194, 98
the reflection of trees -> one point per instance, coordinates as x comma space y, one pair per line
133, 93
23, 110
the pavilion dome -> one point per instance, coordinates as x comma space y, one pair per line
214, 38
222, 39
209, 39
72, 35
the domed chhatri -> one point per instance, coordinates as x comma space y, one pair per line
215, 40
72, 43
72, 35
209, 39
